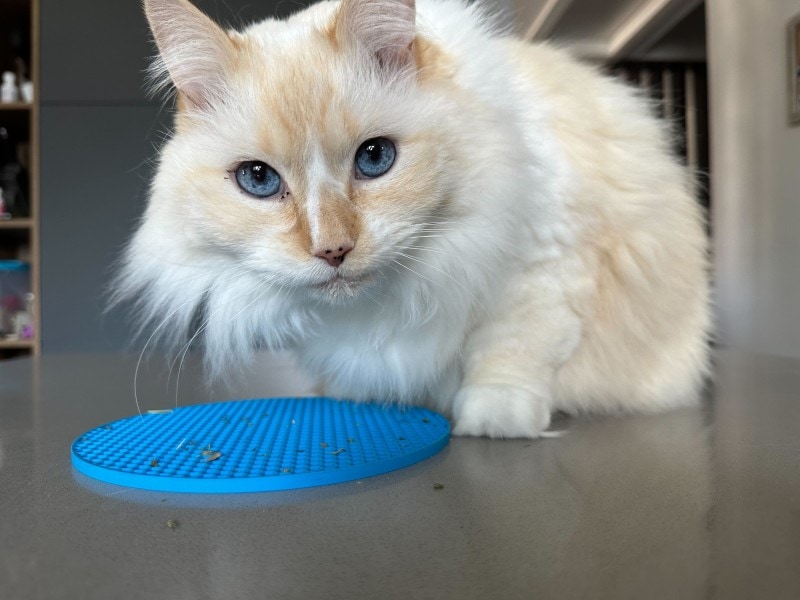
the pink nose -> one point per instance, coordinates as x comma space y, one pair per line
334, 257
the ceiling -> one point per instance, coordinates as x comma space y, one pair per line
616, 30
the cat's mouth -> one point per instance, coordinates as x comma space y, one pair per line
340, 288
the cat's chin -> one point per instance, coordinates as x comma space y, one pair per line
339, 289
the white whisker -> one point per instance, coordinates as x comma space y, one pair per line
446, 274
164, 321
418, 274
206, 322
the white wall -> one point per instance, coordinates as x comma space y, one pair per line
755, 166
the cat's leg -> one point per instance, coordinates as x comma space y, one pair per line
510, 364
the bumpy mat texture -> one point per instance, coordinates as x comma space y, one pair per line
259, 445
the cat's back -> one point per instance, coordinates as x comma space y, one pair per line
608, 129
639, 234
604, 127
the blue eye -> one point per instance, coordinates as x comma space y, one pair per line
374, 157
258, 179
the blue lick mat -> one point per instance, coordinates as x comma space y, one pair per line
259, 445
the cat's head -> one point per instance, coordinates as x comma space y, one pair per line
311, 150
328, 161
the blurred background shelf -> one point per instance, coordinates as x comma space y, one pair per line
19, 136
15, 106
17, 344
21, 223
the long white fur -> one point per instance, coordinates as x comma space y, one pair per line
483, 306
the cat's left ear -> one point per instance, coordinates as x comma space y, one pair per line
384, 28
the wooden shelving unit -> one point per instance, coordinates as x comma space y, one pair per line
22, 223
15, 106
19, 237
17, 344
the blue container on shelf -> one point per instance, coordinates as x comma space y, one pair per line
15, 300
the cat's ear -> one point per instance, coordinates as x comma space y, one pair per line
384, 28
195, 51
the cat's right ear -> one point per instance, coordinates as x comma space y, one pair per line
195, 52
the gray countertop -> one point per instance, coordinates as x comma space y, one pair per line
697, 503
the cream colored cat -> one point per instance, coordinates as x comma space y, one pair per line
426, 211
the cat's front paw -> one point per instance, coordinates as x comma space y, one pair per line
500, 411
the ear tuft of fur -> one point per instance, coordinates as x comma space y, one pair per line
385, 29
195, 53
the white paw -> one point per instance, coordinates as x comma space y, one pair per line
500, 411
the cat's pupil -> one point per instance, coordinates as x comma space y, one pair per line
259, 172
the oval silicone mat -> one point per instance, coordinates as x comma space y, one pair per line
259, 445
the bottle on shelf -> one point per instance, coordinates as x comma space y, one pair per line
16, 300
25, 84
8, 89
4, 214
13, 178
26, 91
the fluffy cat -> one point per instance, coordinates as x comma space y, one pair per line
426, 211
